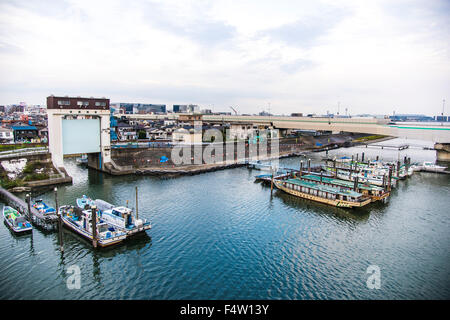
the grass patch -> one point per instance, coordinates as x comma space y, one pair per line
369, 138
36, 177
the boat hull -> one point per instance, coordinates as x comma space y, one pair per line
101, 242
332, 202
12, 227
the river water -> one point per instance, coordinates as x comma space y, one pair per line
220, 235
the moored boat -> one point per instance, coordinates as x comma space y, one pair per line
15, 220
80, 221
82, 160
432, 167
376, 193
337, 197
121, 217
83, 201
43, 208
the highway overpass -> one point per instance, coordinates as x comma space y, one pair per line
434, 132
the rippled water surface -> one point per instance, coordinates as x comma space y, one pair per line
220, 235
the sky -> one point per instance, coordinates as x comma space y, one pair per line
281, 56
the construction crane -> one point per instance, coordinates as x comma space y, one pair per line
235, 112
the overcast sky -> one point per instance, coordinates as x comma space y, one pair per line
296, 56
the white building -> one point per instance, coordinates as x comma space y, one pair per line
6, 135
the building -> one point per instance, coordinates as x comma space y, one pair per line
126, 132
240, 131
442, 118
191, 118
6, 135
142, 108
193, 108
79, 125
25, 133
77, 103
180, 108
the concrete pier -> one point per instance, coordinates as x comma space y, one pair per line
442, 151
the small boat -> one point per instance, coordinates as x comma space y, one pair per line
42, 207
83, 201
16, 221
121, 217
431, 167
82, 160
80, 221
337, 197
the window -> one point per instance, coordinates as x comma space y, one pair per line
63, 103
82, 103
100, 104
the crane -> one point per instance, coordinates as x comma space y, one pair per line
235, 112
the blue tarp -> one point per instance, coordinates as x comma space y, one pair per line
163, 159
23, 128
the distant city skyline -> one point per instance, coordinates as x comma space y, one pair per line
294, 56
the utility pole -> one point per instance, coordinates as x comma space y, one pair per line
442, 114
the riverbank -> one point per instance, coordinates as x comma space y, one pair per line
26, 171
147, 161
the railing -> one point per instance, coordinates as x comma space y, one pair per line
23, 152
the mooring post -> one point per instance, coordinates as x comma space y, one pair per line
398, 168
377, 158
301, 168
60, 224
94, 225
321, 176
357, 157
390, 178
362, 157
384, 181
309, 166
137, 203
334, 166
271, 181
29, 206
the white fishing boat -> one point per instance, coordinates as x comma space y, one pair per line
83, 201
432, 167
15, 220
121, 217
80, 221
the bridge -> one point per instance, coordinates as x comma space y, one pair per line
439, 133
430, 132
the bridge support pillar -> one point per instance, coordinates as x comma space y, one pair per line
442, 151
